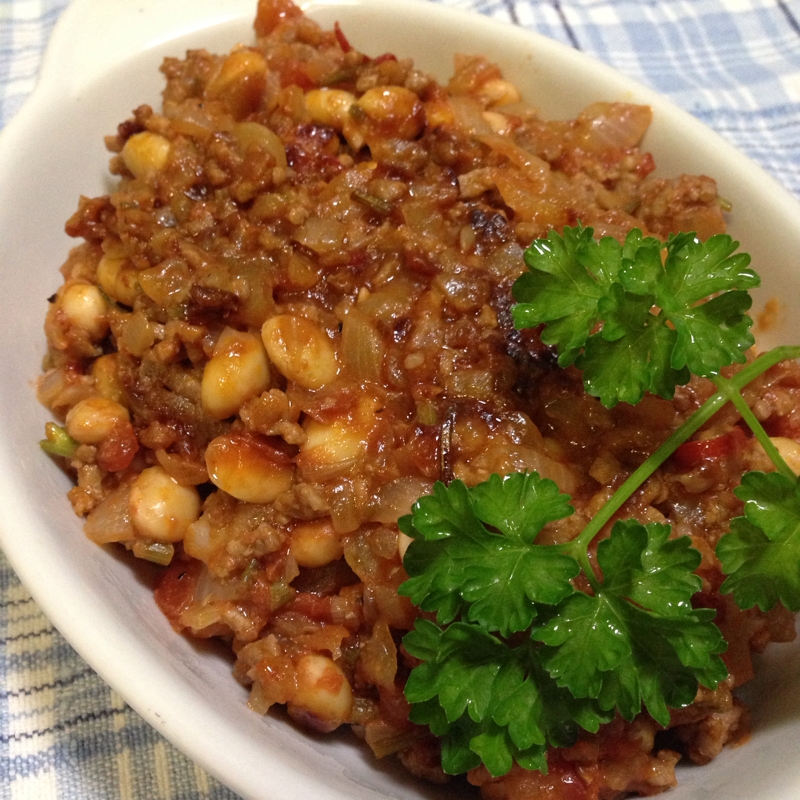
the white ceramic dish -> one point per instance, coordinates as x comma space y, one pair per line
102, 62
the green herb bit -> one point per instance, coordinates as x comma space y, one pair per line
58, 441
280, 594
377, 204
357, 113
339, 76
632, 322
160, 553
250, 571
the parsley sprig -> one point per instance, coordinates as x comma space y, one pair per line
635, 641
532, 642
655, 330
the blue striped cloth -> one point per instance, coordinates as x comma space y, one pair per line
735, 64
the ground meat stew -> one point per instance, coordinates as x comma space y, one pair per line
292, 316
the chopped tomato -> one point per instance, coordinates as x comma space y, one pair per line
271, 13
385, 57
341, 38
692, 454
314, 606
295, 73
175, 592
116, 452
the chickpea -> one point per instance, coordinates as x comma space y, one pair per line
789, 450
248, 467
145, 154
330, 106
106, 378
117, 279
499, 92
323, 699
160, 507
85, 308
237, 371
331, 447
315, 544
250, 134
240, 82
94, 419
394, 108
331, 443
300, 350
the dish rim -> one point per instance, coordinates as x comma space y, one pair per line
64, 71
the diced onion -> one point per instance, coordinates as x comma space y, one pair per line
362, 347
396, 498
110, 520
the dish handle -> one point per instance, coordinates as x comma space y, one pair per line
93, 36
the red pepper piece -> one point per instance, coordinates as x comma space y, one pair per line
692, 454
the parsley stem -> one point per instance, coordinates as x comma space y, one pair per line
735, 396
649, 466
731, 386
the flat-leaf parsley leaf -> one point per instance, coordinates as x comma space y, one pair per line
635, 640
632, 323
476, 556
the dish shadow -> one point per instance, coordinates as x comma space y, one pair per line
773, 697
458, 788
147, 575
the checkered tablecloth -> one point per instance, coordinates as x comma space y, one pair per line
735, 64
